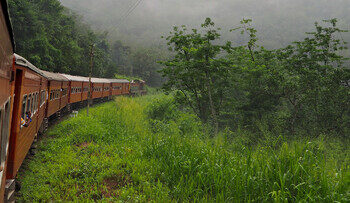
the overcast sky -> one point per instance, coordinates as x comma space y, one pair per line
278, 21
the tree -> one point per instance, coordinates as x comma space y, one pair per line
197, 69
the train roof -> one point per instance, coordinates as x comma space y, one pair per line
19, 60
137, 80
5, 11
75, 78
119, 80
100, 80
54, 76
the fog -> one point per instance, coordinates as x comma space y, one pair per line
278, 22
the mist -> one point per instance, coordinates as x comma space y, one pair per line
278, 22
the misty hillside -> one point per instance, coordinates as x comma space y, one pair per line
278, 21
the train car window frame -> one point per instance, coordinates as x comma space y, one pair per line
1, 120
32, 105
42, 98
29, 100
37, 101
5, 131
34, 101
1, 132
24, 106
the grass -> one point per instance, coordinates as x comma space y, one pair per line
145, 149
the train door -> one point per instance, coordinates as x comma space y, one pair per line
16, 122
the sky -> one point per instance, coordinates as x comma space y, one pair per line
278, 22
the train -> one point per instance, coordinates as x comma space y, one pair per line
31, 97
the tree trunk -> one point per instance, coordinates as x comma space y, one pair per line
211, 103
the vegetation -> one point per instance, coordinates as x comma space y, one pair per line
146, 149
301, 89
237, 123
54, 38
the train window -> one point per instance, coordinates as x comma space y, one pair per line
51, 95
36, 101
29, 99
2, 127
44, 92
42, 97
24, 102
5, 133
1, 114
32, 104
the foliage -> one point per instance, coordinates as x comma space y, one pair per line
301, 89
196, 70
146, 149
54, 38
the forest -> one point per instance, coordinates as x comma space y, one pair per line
55, 38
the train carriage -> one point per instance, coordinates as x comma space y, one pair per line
119, 86
78, 88
27, 115
57, 93
86, 87
98, 85
137, 87
6, 91
106, 89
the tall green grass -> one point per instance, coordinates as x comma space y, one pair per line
146, 149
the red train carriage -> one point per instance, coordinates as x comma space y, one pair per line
106, 88
57, 93
86, 87
126, 88
6, 90
137, 87
119, 86
98, 85
78, 88
27, 117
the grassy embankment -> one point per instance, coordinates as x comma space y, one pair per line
142, 149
